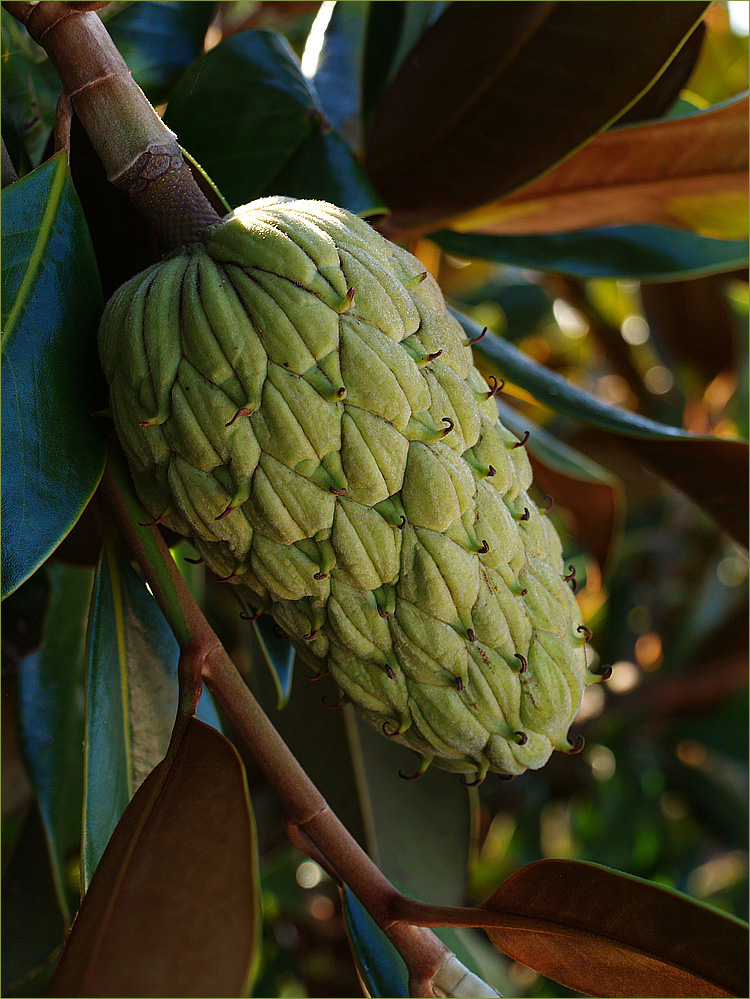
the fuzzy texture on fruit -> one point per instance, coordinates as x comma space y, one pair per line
293, 396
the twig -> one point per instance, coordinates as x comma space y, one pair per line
140, 154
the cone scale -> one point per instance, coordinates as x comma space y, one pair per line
293, 396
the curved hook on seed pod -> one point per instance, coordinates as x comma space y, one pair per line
251, 617
576, 747
523, 441
549, 503
587, 631
153, 523
475, 339
312, 677
339, 704
523, 660
472, 783
496, 388
426, 761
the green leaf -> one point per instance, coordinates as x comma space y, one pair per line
51, 719
173, 909
592, 495
604, 933
494, 95
278, 653
32, 927
249, 116
642, 252
159, 41
381, 967
338, 70
427, 860
323, 168
712, 471
31, 87
53, 450
131, 699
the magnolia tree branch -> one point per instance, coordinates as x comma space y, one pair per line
140, 154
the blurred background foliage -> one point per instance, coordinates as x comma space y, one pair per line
660, 790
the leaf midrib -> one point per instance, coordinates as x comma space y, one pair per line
37, 254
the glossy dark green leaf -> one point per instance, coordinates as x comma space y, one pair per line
278, 653
495, 94
33, 927
592, 495
712, 471
249, 116
337, 75
173, 908
52, 449
426, 860
604, 933
643, 252
131, 699
382, 969
30, 91
159, 40
323, 168
51, 718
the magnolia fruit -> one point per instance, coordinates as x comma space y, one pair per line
294, 398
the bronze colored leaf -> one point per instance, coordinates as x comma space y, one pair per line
689, 172
172, 909
608, 934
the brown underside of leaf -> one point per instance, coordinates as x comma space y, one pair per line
629, 175
172, 907
606, 934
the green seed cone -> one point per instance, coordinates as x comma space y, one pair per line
293, 396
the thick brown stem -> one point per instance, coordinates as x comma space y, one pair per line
139, 152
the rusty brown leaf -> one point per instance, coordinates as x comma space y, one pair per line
172, 909
604, 933
689, 172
